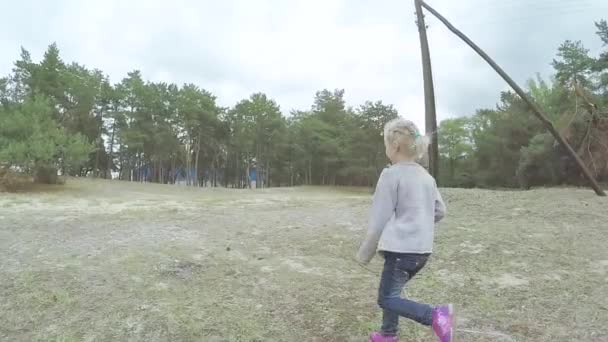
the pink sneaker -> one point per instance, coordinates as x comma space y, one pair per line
443, 323
377, 337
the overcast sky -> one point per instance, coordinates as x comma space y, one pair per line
291, 48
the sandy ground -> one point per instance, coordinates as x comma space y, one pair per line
116, 261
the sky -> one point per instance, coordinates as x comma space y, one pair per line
290, 49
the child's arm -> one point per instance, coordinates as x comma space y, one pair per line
440, 209
383, 207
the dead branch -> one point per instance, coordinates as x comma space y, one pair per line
592, 108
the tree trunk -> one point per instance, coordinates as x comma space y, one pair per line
173, 171
429, 93
198, 153
141, 168
452, 162
160, 171
248, 178
237, 171
111, 152
268, 174
214, 181
138, 167
310, 171
96, 167
62, 165
121, 164
188, 158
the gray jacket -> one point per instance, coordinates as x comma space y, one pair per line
405, 208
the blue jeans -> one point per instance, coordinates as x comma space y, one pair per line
398, 270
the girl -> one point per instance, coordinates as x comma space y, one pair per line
405, 208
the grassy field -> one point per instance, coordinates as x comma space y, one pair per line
116, 261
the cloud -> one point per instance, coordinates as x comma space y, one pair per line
290, 49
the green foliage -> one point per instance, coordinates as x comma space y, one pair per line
573, 63
367, 137
58, 115
601, 64
538, 162
455, 146
31, 139
257, 132
602, 30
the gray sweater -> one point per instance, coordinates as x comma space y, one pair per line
405, 208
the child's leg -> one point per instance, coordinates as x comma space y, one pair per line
390, 323
398, 270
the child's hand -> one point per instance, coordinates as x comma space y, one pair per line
366, 252
361, 261
364, 265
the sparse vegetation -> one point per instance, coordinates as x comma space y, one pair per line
110, 261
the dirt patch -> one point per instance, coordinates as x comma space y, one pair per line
510, 280
600, 267
299, 267
184, 270
471, 248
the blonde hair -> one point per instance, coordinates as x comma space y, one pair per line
405, 134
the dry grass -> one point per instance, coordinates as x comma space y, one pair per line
114, 261
13, 182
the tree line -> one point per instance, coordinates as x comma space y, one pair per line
64, 118
60, 118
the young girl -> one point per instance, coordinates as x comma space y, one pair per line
405, 208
